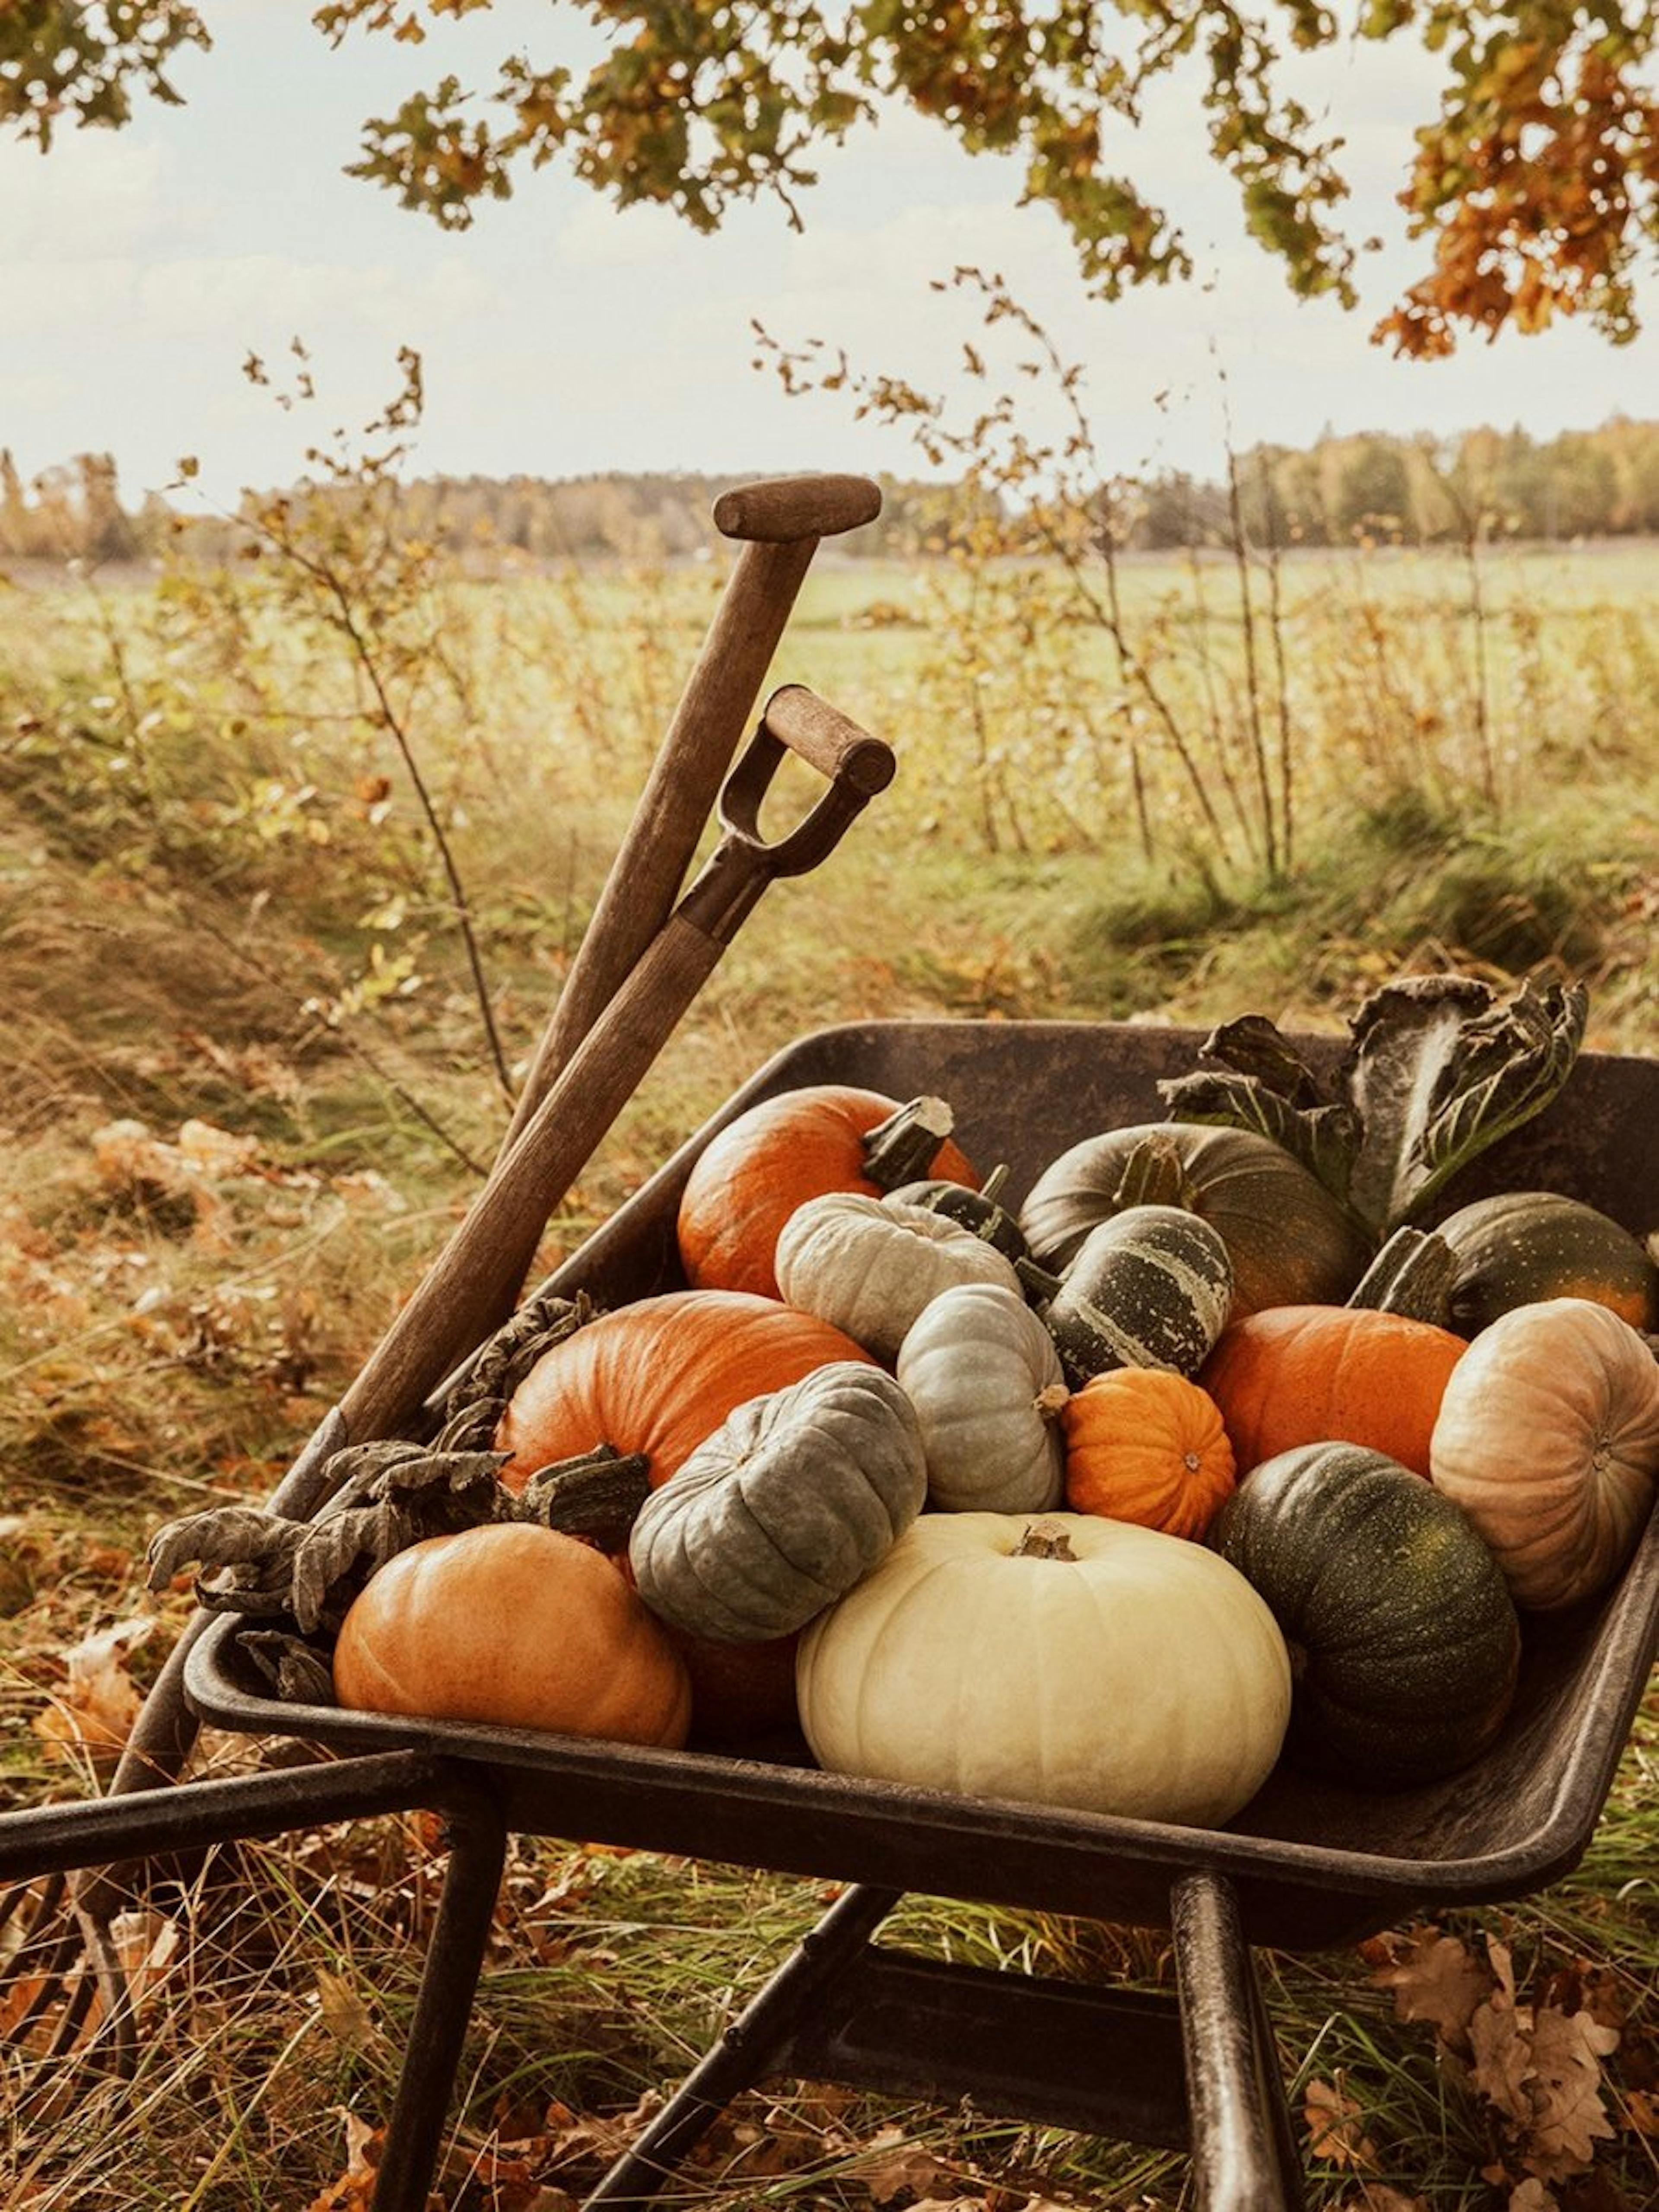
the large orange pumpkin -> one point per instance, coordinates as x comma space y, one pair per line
751, 1177
1289, 1376
514, 1625
659, 1377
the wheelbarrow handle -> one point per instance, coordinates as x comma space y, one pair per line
1244, 2157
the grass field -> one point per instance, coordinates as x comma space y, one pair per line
250, 1087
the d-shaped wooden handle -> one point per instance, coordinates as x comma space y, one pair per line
780, 522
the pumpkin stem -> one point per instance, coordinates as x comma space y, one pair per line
1412, 1275
1051, 1400
1042, 1541
595, 1495
992, 1186
1153, 1175
902, 1148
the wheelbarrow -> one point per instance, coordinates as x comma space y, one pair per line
1307, 1865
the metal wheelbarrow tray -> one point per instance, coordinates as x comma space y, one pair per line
1306, 1865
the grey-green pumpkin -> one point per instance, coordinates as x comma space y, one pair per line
792, 1500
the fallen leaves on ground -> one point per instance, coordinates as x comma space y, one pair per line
1537, 2064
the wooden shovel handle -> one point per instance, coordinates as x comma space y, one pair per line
458, 1297
782, 522
788, 508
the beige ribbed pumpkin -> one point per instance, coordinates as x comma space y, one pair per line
868, 1266
1548, 1438
1062, 1659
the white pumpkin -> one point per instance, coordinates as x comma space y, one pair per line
869, 1265
1547, 1436
983, 1375
1067, 1660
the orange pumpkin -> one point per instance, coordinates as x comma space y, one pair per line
1289, 1376
1144, 1444
659, 1377
751, 1177
517, 1626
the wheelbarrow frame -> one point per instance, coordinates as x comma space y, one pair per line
1307, 1866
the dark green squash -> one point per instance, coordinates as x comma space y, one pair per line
1289, 1242
1149, 1287
1524, 1246
1405, 1644
978, 1210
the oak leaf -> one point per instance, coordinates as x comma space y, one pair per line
1335, 2125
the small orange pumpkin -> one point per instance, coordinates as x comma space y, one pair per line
1144, 1444
1291, 1376
658, 1376
751, 1177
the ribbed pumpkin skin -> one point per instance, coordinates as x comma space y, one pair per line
750, 1178
1150, 1287
793, 1498
1138, 1677
517, 1626
984, 1377
658, 1376
1404, 1640
1548, 1438
870, 1266
1307, 1375
1148, 1446
1289, 1241
1524, 1246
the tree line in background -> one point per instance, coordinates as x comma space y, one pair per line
1340, 491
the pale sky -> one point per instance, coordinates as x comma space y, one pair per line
560, 336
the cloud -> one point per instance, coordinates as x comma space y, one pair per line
96, 194
601, 236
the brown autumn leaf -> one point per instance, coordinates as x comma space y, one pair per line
892, 2163
354, 2192
1542, 2067
147, 1943
1569, 2117
1378, 2197
343, 2010
91, 1717
1335, 2125
1437, 1978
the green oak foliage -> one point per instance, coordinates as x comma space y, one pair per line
1535, 184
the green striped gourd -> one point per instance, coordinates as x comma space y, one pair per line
1149, 1287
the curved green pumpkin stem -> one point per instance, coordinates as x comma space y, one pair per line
1153, 1175
595, 1496
902, 1148
1412, 1275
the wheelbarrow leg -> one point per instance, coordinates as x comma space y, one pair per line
747, 2052
1244, 2156
478, 1838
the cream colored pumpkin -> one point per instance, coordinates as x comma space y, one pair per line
1548, 1438
1096, 1665
869, 1265
983, 1375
